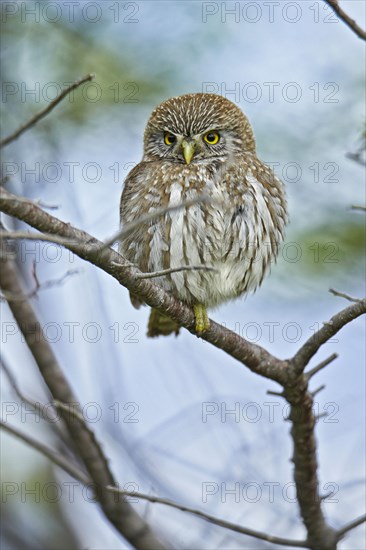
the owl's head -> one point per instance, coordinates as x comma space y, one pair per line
195, 127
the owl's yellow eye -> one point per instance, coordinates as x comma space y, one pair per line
211, 137
169, 138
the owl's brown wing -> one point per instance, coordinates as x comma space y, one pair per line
258, 209
254, 223
141, 192
131, 208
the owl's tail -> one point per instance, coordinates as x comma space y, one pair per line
161, 325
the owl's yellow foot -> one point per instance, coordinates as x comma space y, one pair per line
202, 320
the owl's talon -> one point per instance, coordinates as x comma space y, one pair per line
202, 320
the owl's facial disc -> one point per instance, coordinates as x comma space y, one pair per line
186, 148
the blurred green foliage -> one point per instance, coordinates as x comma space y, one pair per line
53, 57
335, 249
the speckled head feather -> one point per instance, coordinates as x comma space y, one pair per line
193, 114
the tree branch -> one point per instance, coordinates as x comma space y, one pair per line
78, 474
90, 249
343, 295
37, 117
320, 535
120, 514
351, 23
155, 274
309, 374
212, 519
329, 329
56, 458
288, 373
349, 526
41, 286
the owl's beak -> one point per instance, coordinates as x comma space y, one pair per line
188, 150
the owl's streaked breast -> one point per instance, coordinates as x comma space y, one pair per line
235, 233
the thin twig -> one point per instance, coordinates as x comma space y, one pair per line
343, 295
41, 286
46, 205
40, 408
155, 274
321, 366
357, 157
321, 415
20, 235
69, 408
327, 495
56, 458
276, 393
126, 229
78, 474
14, 384
351, 23
37, 117
358, 207
317, 390
349, 526
212, 519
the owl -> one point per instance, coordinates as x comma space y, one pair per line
201, 146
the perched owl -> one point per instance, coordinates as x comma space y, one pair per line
202, 145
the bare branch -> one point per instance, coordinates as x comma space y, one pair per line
154, 274
46, 205
37, 117
320, 535
41, 286
69, 409
357, 207
317, 390
212, 519
343, 295
78, 474
289, 373
349, 526
120, 514
39, 408
56, 458
13, 383
351, 23
327, 495
276, 393
321, 366
20, 235
329, 329
90, 249
321, 415
357, 157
